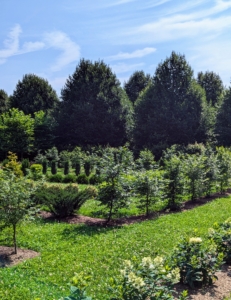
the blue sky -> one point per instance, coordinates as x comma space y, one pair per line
48, 37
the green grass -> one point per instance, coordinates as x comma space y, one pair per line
99, 252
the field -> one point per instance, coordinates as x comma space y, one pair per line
97, 252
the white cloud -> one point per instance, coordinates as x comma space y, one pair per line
70, 50
11, 44
134, 54
123, 68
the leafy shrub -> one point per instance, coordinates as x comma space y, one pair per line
64, 200
221, 236
82, 179
56, 178
25, 166
150, 279
197, 264
36, 171
13, 164
69, 178
54, 167
67, 166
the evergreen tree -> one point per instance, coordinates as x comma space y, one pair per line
135, 84
33, 94
95, 110
172, 110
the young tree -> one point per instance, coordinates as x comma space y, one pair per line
113, 192
149, 188
33, 94
15, 201
137, 82
95, 110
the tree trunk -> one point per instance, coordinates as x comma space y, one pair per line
14, 238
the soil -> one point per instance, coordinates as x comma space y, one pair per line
220, 288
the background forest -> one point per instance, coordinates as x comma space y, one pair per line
148, 112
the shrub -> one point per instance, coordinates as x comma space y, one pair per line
64, 200
70, 178
197, 264
221, 236
67, 166
13, 164
36, 171
56, 178
25, 166
150, 279
82, 179
54, 167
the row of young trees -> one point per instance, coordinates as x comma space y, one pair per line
171, 107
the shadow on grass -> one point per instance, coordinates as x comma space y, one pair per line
72, 232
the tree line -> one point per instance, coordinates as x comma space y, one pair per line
148, 112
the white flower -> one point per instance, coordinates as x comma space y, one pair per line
195, 240
158, 261
136, 281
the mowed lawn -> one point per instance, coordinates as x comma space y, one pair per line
98, 252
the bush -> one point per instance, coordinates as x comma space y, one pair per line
25, 166
36, 171
13, 164
221, 236
82, 179
70, 178
54, 167
56, 178
197, 264
64, 200
150, 279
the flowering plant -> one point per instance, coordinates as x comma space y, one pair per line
197, 263
221, 236
149, 280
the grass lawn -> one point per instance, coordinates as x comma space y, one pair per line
98, 252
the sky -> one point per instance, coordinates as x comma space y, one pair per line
49, 37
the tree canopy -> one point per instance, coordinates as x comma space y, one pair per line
170, 110
135, 84
213, 86
4, 101
33, 94
223, 124
95, 110
16, 131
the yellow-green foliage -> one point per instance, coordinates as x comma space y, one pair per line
13, 164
